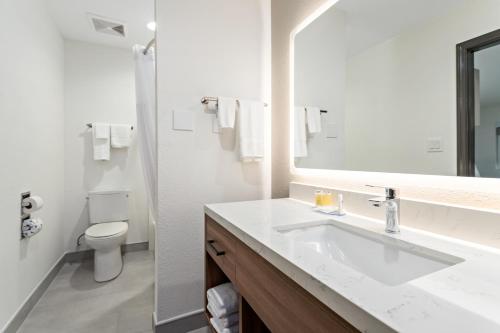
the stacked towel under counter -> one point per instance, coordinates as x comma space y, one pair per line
223, 306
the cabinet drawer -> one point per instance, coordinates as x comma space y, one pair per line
283, 305
221, 246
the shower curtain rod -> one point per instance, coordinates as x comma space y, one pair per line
149, 45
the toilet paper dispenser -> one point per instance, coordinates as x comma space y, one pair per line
29, 204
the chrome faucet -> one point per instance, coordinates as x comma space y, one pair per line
391, 203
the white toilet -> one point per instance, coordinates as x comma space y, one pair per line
108, 212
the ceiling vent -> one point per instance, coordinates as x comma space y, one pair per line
107, 26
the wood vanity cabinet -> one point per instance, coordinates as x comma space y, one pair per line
269, 300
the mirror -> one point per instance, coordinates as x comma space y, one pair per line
375, 88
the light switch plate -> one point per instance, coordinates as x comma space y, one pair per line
332, 130
183, 120
434, 145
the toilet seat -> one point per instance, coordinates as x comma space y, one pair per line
108, 229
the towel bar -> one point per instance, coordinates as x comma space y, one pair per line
207, 99
89, 125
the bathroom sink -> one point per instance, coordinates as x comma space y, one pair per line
378, 256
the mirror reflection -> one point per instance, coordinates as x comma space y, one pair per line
375, 88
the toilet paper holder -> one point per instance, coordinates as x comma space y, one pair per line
26, 209
24, 216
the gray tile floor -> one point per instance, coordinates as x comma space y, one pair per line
75, 303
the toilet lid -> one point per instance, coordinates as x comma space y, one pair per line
106, 229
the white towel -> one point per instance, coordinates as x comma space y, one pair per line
223, 298
100, 141
251, 130
313, 119
230, 321
218, 310
218, 329
224, 321
120, 135
300, 140
226, 112
101, 130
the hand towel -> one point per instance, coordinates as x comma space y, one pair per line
226, 112
300, 139
101, 130
251, 130
100, 141
224, 321
223, 298
120, 135
313, 119
218, 329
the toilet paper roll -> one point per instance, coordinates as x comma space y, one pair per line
32, 204
31, 227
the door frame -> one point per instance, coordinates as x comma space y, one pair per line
465, 100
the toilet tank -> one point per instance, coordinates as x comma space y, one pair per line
108, 206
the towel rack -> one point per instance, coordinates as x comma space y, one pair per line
89, 125
207, 99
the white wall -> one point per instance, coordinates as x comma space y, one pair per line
32, 152
479, 193
204, 48
320, 61
99, 87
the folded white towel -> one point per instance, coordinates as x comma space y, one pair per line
227, 320
120, 135
251, 130
300, 140
223, 298
313, 119
226, 112
218, 329
100, 141
219, 311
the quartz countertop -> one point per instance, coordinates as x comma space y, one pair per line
460, 298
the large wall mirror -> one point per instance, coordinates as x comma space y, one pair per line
375, 88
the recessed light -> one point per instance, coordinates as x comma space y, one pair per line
152, 26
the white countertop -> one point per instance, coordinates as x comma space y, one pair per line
461, 298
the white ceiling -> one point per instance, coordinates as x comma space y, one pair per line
72, 20
369, 22
488, 63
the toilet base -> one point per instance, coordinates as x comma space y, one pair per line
107, 264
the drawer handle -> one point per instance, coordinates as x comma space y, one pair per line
211, 243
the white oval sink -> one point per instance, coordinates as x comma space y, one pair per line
378, 256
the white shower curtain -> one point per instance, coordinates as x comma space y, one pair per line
145, 91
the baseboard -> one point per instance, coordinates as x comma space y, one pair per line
143, 246
18, 318
69, 257
181, 324
79, 256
